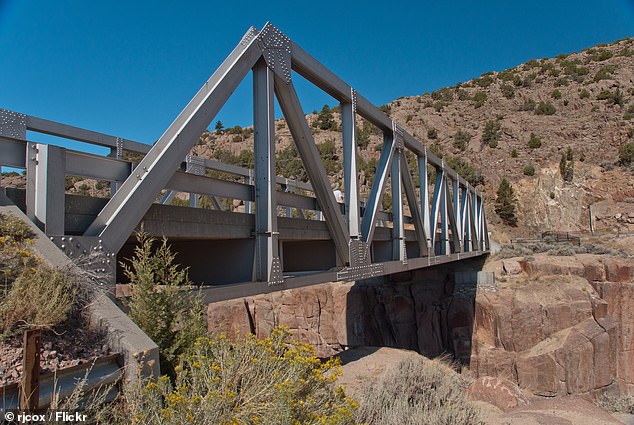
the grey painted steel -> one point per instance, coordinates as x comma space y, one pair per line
351, 184
296, 121
424, 201
412, 201
457, 211
12, 124
247, 289
95, 167
97, 375
49, 188
457, 208
267, 261
126, 208
368, 223
398, 230
13, 152
74, 133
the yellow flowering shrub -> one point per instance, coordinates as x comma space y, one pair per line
246, 381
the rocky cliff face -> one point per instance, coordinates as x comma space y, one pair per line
419, 313
553, 325
557, 325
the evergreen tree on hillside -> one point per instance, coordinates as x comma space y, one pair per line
325, 119
505, 203
219, 127
567, 165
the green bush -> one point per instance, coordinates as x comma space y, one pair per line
600, 55
505, 203
172, 318
584, 94
514, 153
461, 139
534, 142
545, 108
464, 169
491, 134
626, 154
563, 81
615, 97
243, 381
432, 134
418, 391
528, 105
479, 98
507, 91
529, 170
484, 81
604, 73
556, 94
439, 105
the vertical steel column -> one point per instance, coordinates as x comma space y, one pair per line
464, 212
424, 200
116, 152
398, 231
31, 161
351, 185
444, 228
267, 262
439, 185
248, 180
50, 170
457, 211
475, 235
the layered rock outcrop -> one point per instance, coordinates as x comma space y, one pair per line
563, 325
415, 313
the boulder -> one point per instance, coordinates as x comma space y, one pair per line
499, 392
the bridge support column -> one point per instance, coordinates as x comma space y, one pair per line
398, 232
268, 267
45, 192
351, 185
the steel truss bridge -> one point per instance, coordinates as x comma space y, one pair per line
260, 250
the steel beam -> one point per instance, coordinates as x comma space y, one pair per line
96, 167
351, 184
444, 222
398, 230
424, 200
74, 133
368, 223
439, 184
457, 212
267, 258
412, 201
126, 208
296, 121
49, 188
13, 152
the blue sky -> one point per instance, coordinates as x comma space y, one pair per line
127, 68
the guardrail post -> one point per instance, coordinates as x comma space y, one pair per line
30, 394
47, 191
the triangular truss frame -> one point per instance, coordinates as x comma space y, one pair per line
453, 222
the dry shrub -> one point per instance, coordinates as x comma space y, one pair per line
40, 296
418, 391
246, 381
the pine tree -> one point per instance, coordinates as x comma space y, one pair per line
219, 127
567, 165
325, 119
505, 203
